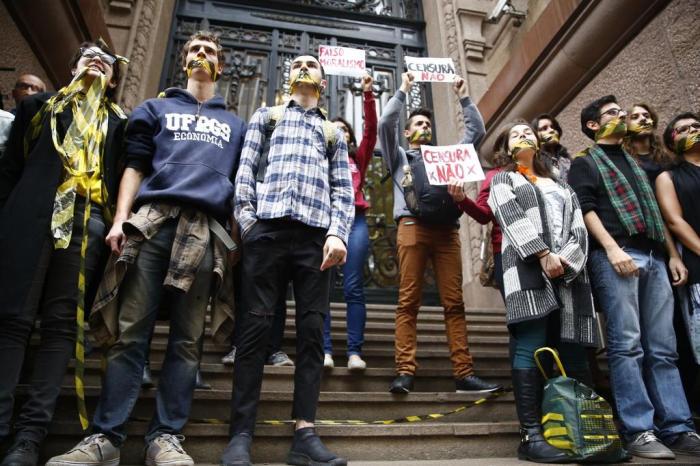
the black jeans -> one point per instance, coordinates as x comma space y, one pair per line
54, 297
277, 251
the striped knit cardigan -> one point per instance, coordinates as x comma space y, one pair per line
519, 208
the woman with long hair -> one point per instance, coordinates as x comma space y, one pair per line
58, 188
547, 292
359, 157
642, 142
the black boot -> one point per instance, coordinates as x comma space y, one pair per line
527, 388
307, 449
237, 451
146, 378
199, 383
22, 453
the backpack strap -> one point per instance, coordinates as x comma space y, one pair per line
274, 116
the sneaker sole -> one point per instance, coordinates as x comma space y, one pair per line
114, 462
300, 459
151, 462
400, 391
284, 364
651, 455
489, 390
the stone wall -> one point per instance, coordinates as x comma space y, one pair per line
15, 53
661, 67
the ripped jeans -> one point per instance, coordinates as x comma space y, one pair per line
276, 252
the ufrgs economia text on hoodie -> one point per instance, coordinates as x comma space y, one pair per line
188, 152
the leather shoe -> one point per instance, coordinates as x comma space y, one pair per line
308, 450
22, 453
237, 451
403, 383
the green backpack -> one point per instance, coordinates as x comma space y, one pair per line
577, 420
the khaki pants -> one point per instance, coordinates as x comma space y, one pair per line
416, 244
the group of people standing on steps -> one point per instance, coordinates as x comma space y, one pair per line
108, 222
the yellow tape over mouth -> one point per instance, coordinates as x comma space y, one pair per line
614, 127
202, 63
636, 128
685, 144
524, 144
304, 77
550, 139
418, 136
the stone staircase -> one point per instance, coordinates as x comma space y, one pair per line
486, 430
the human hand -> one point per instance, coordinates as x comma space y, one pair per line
334, 252
552, 265
622, 262
460, 87
455, 189
116, 238
407, 81
679, 273
367, 82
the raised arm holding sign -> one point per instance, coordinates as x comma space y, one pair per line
444, 164
427, 69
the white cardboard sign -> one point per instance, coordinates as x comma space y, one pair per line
342, 61
441, 70
446, 163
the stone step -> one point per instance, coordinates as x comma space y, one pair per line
277, 405
337, 379
398, 442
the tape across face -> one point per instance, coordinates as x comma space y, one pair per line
305, 78
551, 138
202, 63
420, 135
640, 128
684, 144
614, 127
523, 144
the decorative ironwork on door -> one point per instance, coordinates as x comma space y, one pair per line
259, 45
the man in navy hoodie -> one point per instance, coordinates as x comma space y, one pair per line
175, 193
295, 216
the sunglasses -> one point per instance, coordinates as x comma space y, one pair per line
92, 53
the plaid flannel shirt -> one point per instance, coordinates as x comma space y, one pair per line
302, 182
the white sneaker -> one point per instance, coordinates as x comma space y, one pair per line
328, 361
95, 450
355, 363
165, 450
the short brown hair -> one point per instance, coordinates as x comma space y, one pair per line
203, 35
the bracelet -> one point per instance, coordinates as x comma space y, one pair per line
545, 254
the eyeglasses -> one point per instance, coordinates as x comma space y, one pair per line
613, 112
28, 87
685, 128
92, 53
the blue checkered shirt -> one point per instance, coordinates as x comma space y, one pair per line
298, 183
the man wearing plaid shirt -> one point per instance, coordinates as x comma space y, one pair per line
295, 221
630, 280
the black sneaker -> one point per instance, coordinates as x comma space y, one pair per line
646, 445
22, 453
403, 383
308, 450
280, 359
472, 383
687, 443
237, 451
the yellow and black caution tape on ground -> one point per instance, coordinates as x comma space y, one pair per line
357, 422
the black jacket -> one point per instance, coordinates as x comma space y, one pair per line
27, 191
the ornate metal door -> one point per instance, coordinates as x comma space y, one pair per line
261, 38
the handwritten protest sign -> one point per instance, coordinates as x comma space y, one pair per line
342, 61
446, 163
441, 70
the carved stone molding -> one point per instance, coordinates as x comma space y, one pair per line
131, 90
473, 40
121, 6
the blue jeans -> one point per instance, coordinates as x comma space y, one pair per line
140, 296
641, 345
353, 288
530, 335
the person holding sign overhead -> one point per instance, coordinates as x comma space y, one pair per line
427, 230
546, 286
359, 158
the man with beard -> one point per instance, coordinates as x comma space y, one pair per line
554, 155
643, 144
182, 152
629, 277
295, 207
421, 238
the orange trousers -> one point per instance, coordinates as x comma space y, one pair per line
418, 243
